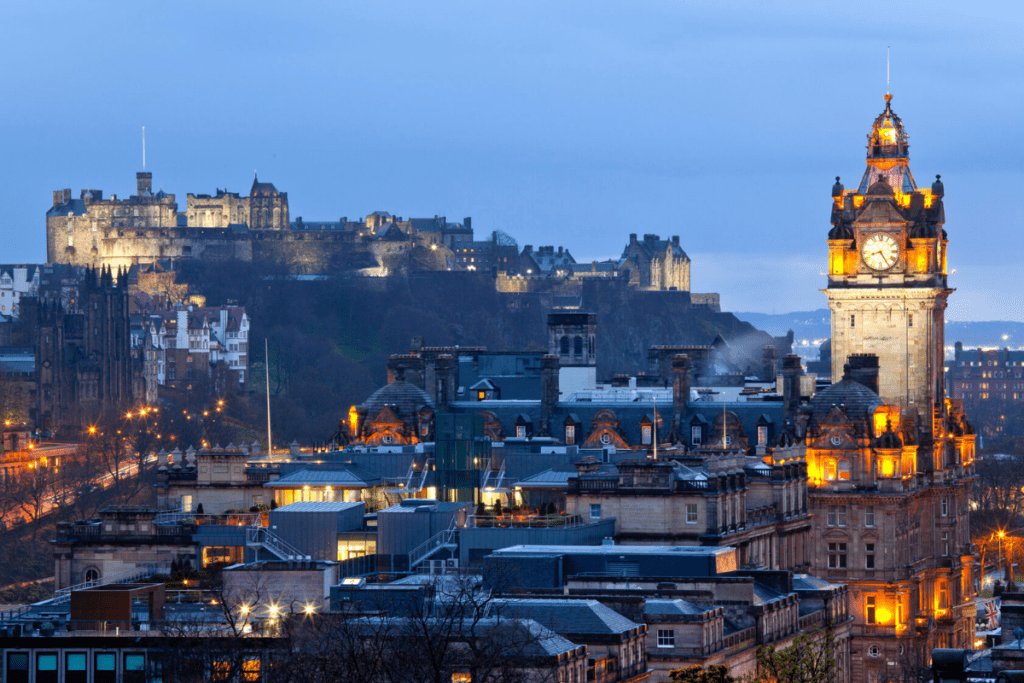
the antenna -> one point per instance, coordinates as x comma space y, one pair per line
886, 69
654, 432
143, 148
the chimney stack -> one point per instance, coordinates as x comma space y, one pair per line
58, 197
66, 195
864, 369
680, 386
549, 366
792, 371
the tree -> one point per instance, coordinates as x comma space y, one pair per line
716, 673
810, 659
13, 404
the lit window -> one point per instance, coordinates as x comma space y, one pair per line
645, 435
762, 436
666, 638
844, 470
869, 605
570, 434
830, 469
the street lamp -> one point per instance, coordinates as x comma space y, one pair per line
1001, 534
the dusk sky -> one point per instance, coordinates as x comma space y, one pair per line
565, 123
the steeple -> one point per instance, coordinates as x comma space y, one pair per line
888, 152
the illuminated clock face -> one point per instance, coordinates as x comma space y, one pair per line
880, 251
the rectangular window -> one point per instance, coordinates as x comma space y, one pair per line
666, 638
186, 503
762, 436
645, 435
943, 595
105, 667
135, 668
695, 436
46, 667
945, 543
945, 507
869, 605
853, 321
910, 320
837, 556
841, 515
595, 511
869, 555
75, 668
570, 434
691, 513
17, 667
831, 519
869, 516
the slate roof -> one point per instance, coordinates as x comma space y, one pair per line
572, 617
317, 506
75, 207
860, 401
347, 477
408, 398
548, 479
673, 608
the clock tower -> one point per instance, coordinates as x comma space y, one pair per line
887, 286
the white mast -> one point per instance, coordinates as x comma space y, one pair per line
654, 440
266, 366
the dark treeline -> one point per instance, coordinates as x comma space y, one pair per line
329, 339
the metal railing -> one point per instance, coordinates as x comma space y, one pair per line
443, 539
261, 537
526, 522
127, 576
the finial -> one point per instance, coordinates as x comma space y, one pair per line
888, 99
837, 179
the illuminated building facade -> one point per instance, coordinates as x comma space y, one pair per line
890, 458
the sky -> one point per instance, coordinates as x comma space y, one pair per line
565, 123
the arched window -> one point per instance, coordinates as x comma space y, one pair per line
563, 346
844, 470
92, 574
830, 469
577, 346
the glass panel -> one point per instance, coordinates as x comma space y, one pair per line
46, 662
106, 662
134, 662
76, 662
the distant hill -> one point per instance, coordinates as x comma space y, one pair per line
809, 326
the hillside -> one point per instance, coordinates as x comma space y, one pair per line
330, 338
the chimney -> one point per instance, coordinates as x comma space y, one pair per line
144, 182
680, 386
468, 222
67, 195
792, 371
58, 197
675, 240
632, 238
769, 362
548, 392
864, 369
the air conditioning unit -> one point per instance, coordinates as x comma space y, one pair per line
453, 563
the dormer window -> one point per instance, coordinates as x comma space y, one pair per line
570, 434
645, 434
695, 436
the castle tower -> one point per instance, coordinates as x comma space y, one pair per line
887, 274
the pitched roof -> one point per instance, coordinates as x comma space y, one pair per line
573, 617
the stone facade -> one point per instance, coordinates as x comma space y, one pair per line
662, 263
890, 458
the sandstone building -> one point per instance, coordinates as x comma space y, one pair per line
889, 456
